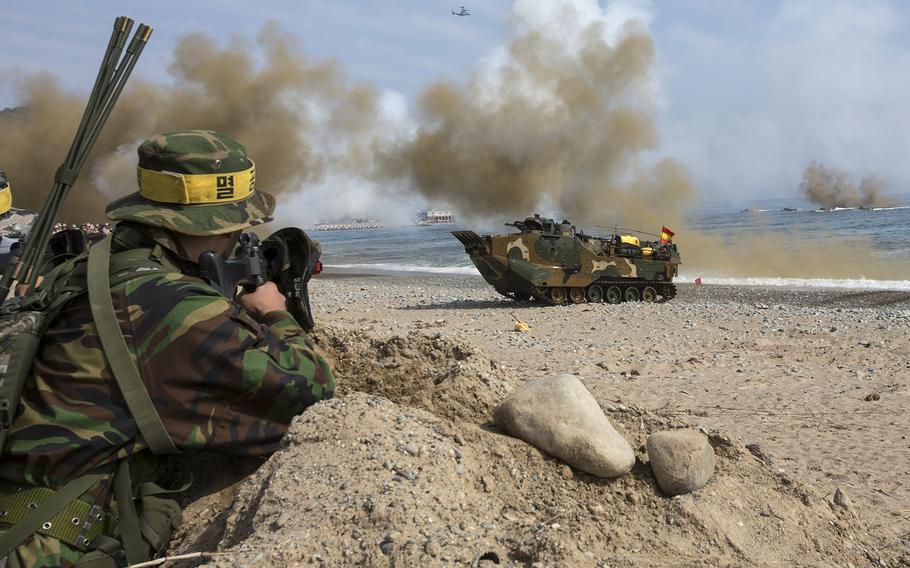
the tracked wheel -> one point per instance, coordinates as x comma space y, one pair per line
595, 293
631, 294
649, 294
613, 295
577, 295
557, 295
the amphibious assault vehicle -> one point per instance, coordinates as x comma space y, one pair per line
552, 262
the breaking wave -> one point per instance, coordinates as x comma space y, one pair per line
850, 284
383, 267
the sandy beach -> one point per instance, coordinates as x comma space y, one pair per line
800, 393
819, 379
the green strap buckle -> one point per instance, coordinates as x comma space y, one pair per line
78, 523
59, 514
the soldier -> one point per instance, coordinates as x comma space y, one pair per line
6, 196
14, 223
214, 374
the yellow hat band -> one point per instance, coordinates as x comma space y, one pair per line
6, 200
169, 187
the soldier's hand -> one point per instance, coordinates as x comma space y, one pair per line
262, 300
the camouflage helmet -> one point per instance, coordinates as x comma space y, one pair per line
195, 182
6, 195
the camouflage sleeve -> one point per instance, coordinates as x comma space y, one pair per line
221, 380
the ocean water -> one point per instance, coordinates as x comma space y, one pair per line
432, 249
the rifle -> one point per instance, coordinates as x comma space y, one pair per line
288, 257
113, 74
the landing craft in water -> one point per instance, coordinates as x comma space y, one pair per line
553, 263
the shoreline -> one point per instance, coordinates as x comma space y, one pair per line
795, 295
707, 280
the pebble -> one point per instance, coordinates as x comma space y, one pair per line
560, 416
682, 460
841, 499
872, 396
412, 449
409, 475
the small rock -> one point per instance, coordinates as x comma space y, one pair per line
412, 449
487, 483
566, 471
409, 475
559, 416
281, 520
682, 460
841, 499
872, 396
432, 548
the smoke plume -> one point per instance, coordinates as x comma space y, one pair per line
296, 117
555, 121
560, 119
830, 188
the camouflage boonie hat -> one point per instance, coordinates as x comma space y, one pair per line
6, 195
195, 182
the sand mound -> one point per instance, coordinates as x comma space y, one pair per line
446, 377
367, 481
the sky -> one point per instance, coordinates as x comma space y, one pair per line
746, 93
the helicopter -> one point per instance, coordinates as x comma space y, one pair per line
462, 12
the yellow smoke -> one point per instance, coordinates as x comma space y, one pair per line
830, 188
271, 107
556, 122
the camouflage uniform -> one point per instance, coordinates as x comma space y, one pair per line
220, 380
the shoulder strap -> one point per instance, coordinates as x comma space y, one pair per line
118, 356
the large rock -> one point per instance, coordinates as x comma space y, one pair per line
559, 416
682, 460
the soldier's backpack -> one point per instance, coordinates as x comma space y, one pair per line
143, 518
